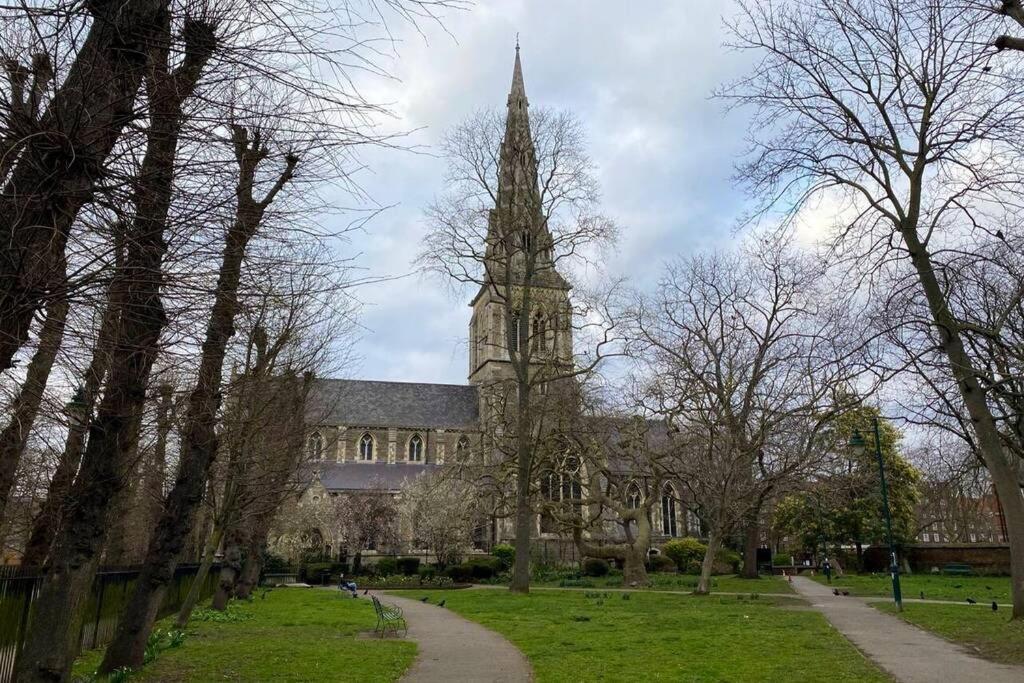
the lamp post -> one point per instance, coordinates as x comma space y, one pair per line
858, 444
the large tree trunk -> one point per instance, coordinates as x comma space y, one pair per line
231, 568
251, 569
751, 543
52, 641
524, 519
44, 526
139, 612
708, 564
60, 166
25, 407
997, 460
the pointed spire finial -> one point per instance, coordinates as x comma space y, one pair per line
517, 41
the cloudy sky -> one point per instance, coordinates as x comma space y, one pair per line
638, 75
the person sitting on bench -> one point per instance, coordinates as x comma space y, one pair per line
347, 586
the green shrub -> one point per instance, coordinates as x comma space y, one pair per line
275, 564
386, 566
660, 563
483, 567
505, 553
428, 572
684, 552
460, 573
595, 566
409, 566
728, 561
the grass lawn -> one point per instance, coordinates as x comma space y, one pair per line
574, 636
686, 582
984, 589
294, 634
989, 633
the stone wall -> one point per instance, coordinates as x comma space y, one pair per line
984, 558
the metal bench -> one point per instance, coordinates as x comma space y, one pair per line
389, 618
960, 569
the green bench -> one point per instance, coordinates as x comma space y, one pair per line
958, 569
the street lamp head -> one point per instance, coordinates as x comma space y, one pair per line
857, 443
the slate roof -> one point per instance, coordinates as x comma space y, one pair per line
369, 476
364, 403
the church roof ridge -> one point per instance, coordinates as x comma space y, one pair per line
391, 381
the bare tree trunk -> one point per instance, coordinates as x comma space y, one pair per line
708, 564
250, 569
139, 612
25, 406
751, 543
229, 571
990, 445
52, 641
520, 582
194, 590
44, 526
59, 167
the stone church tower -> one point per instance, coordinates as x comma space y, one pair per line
521, 317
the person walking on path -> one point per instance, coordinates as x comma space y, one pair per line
826, 569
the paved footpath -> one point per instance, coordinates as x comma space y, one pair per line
456, 650
908, 653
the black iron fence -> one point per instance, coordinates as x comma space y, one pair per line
19, 587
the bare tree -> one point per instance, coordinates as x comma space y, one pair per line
884, 109
522, 201
747, 360
441, 510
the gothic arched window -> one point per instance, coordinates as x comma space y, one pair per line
538, 337
415, 448
514, 331
366, 447
668, 511
633, 496
462, 450
315, 446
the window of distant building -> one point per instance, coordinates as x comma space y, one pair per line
366, 447
315, 446
415, 448
668, 511
633, 496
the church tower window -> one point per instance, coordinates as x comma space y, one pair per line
415, 448
514, 327
462, 450
366, 447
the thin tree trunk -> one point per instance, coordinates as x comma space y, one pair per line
997, 460
58, 168
708, 565
250, 569
196, 589
52, 641
129, 645
25, 406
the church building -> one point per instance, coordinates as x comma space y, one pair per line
376, 436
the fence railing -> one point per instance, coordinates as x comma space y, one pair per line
19, 587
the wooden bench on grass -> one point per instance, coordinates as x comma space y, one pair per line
389, 618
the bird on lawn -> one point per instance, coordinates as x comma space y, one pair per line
972, 601
425, 599
995, 607
441, 604
365, 592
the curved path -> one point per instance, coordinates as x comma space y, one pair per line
908, 653
455, 649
